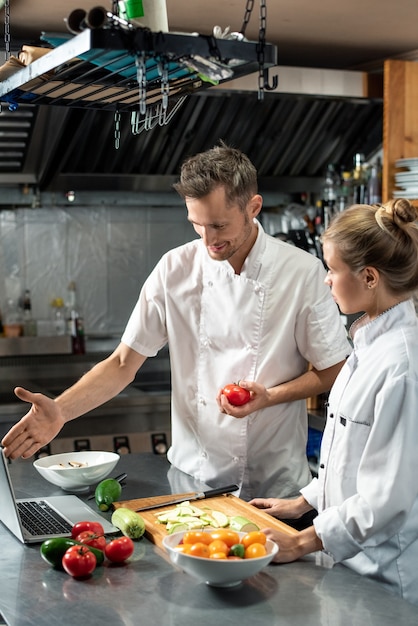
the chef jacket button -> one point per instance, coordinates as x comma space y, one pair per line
331, 415
322, 466
210, 284
235, 459
204, 454
202, 401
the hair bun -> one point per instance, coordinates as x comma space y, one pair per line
402, 211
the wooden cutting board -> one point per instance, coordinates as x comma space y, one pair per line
228, 504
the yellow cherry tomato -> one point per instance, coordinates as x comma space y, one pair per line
218, 546
196, 536
199, 549
218, 555
183, 547
255, 550
228, 536
255, 536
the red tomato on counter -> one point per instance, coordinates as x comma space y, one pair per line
236, 395
80, 527
79, 561
90, 538
118, 550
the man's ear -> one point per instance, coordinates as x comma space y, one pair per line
255, 205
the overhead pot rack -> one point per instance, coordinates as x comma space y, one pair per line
120, 67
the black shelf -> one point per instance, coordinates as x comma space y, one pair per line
97, 68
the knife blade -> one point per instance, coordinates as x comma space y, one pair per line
199, 495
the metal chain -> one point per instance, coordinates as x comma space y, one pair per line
165, 85
115, 7
141, 77
262, 82
248, 10
7, 29
260, 49
117, 129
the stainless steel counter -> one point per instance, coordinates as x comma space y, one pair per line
149, 590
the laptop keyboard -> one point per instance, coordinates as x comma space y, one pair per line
38, 518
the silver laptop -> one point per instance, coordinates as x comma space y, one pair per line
54, 515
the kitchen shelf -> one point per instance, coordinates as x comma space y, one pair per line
97, 68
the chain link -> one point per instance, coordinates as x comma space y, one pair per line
248, 10
165, 85
117, 129
260, 49
141, 76
7, 29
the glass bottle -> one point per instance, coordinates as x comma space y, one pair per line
360, 195
58, 316
29, 324
75, 321
375, 183
329, 194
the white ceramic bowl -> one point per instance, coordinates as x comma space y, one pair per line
94, 467
218, 573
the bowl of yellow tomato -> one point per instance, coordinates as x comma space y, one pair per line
220, 557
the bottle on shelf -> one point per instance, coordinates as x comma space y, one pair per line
59, 321
360, 182
329, 194
375, 183
75, 321
29, 324
13, 321
346, 192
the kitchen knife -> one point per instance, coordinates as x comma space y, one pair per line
199, 495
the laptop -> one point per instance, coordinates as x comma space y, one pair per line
56, 515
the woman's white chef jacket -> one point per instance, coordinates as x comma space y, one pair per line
367, 487
264, 325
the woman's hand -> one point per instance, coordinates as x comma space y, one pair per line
38, 427
294, 546
259, 400
283, 508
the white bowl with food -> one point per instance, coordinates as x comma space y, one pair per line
218, 572
76, 471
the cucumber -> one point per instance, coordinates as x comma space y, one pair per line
129, 522
52, 550
108, 491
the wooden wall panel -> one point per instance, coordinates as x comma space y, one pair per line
400, 118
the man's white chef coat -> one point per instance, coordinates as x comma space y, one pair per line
367, 487
263, 325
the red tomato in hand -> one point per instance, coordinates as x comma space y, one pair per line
79, 561
118, 550
91, 539
236, 395
80, 527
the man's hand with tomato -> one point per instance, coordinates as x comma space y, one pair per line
242, 398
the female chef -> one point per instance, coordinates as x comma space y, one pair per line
366, 492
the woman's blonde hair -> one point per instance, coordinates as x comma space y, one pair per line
381, 236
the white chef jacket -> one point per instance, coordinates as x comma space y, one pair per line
367, 487
264, 325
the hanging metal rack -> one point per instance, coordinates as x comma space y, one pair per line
121, 67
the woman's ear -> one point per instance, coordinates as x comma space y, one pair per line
371, 277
